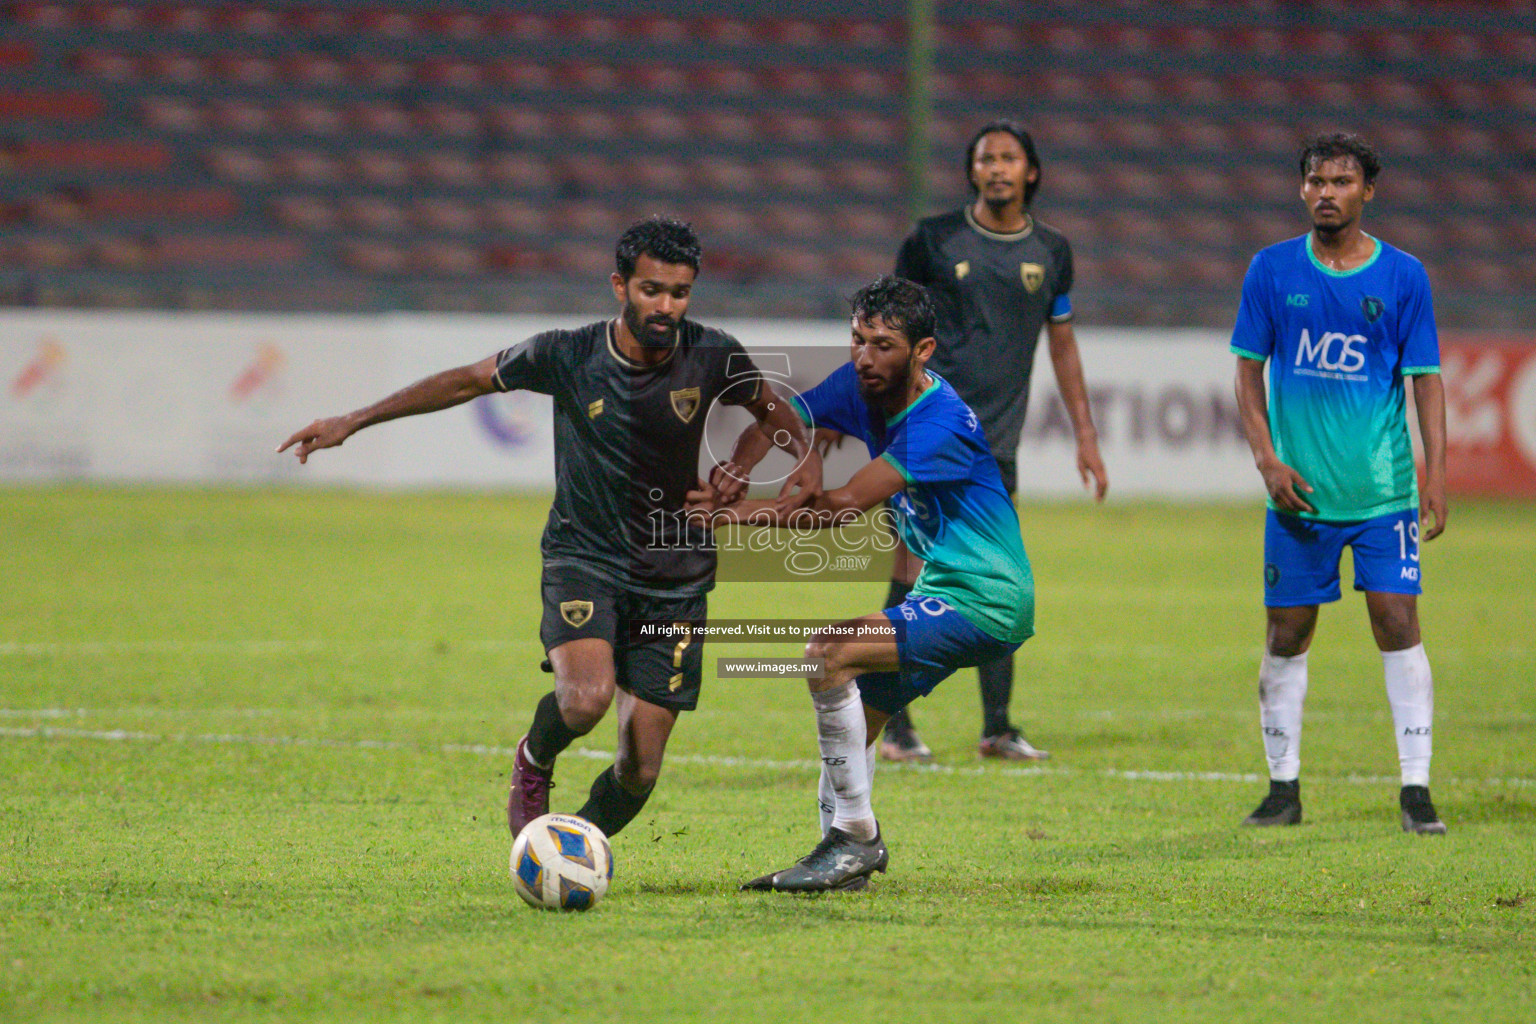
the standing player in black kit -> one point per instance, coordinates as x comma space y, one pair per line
631, 395
996, 276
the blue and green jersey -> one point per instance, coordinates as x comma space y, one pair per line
1339, 344
953, 513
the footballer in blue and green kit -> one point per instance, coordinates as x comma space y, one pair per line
1343, 319
973, 602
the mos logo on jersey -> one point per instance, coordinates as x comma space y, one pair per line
1372, 307
1033, 276
1333, 351
685, 403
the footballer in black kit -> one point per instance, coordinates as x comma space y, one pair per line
996, 276
631, 397
616, 553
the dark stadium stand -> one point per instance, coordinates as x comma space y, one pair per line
395, 154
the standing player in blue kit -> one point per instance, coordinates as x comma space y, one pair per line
1343, 319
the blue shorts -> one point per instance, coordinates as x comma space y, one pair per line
1301, 557
932, 641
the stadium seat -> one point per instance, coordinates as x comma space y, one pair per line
587, 76
722, 125
120, 252
1065, 179
378, 167
729, 219
793, 126
1411, 232
796, 263
374, 258
662, 29
449, 120
304, 213
108, 17
582, 261
861, 265
373, 213
657, 124
1395, 93
795, 177
311, 118
44, 16
865, 128
451, 73
589, 218
526, 25
873, 179
171, 114
871, 223
239, 165
447, 167
250, 20
725, 174
1473, 234
723, 80
868, 83
656, 173
521, 75
525, 172
389, 24
1134, 181
307, 165
444, 215
181, 68
313, 69
457, 25
244, 68
593, 123
1466, 140
377, 72
661, 79
585, 173
1195, 135
519, 121
515, 216
726, 30
441, 258
790, 220
865, 34
375, 117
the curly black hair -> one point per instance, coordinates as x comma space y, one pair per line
1338, 145
662, 238
903, 305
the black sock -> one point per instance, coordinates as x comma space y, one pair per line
901, 721
996, 679
548, 735
610, 806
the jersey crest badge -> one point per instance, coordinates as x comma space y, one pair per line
962, 269
1372, 307
576, 613
1033, 276
685, 403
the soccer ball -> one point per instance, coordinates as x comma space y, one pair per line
561, 862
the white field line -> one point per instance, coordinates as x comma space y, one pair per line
705, 760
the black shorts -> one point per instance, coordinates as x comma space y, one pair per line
658, 653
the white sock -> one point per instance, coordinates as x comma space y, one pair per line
1411, 692
1282, 690
844, 758
826, 797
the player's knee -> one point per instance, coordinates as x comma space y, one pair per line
582, 708
637, 776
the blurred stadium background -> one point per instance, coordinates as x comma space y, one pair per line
335, 155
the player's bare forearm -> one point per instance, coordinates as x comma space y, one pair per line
439, 391
1429, 401
868, 488
1283, 483
1068, 364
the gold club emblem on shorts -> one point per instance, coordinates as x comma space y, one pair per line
576, 612
685, 403
962, 270
1033, 275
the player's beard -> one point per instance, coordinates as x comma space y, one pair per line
893, 390
641, 329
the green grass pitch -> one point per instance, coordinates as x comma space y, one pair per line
254, 750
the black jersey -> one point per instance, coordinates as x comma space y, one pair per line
993, 293
627, 449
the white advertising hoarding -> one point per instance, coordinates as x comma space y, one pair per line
204, 398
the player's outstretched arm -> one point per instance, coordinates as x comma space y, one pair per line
1429, 400
778, 425
1068, 365
869, 487
1283, 483
439, 391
